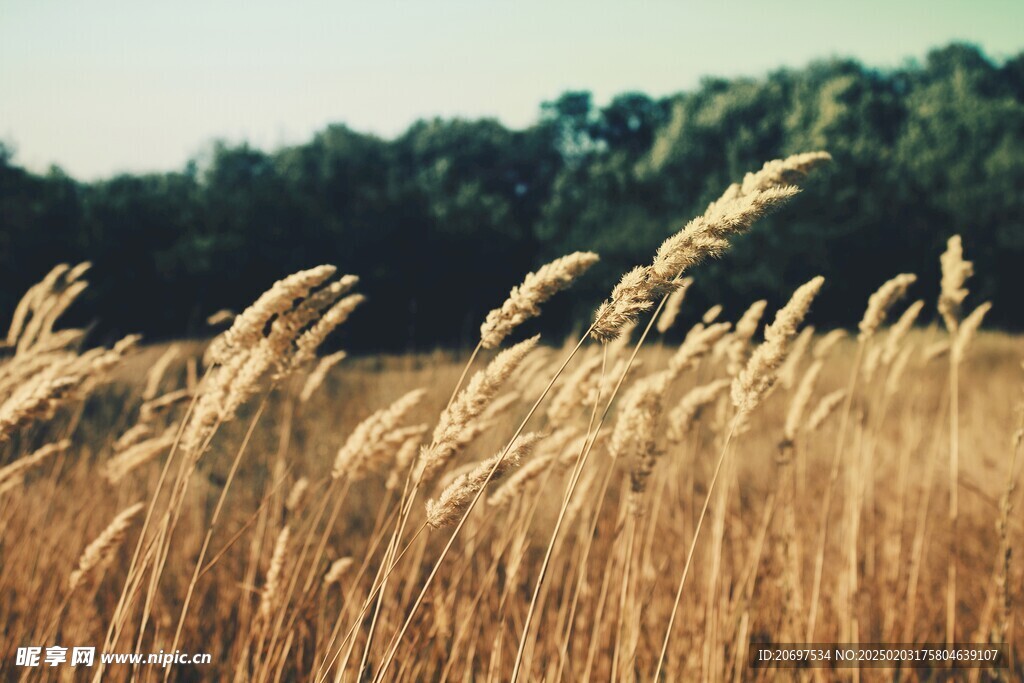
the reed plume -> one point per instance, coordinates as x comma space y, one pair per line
636, 433
828, 342
801, 399
826, 406
935, 350
247, 329
136, 455
706, 236
150, 409
13, 474
548, 457
790, 366
156, 372
698, 343
955, 271
272, 584
376, 437
686, 412
881, 301
459, 417
337, 570
297, 495
967, 330
898, 332
754, 381
319, 374
673, 304
711, 315
739, 340
448, 508
102, 550
524, 301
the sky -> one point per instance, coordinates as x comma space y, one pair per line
110, 86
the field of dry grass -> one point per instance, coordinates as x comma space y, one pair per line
616, 507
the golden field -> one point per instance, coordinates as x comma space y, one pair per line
615, 507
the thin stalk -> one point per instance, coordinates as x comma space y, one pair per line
954, 479
472, 505
213, 523
830, 491
581, 462
693, 543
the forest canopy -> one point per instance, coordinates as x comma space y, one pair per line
441, 221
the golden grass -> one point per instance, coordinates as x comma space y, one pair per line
341, 520
469, 624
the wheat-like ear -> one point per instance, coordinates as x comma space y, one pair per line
524, 301
739, 340
449, 507
459, 417
13, 474
58, 382
788, 371
337, 570
310, 341
630, 298
574, 390
102, 550
896, 370
546, 459
828, 342
635, 432
711, 315
376, 437
673, 304
698, 343
30, 300
224, 315
782, 172
968, 328
934, 350
319, 374
898, 332
686, 412
706, 236
272, 584
150, 409
297, 495
137, 433
800, 400
134, 456
881, 301
955, 271
247, 328
827, 406
754, 381
405, 455
156, 372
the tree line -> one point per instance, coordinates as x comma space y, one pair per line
440, 221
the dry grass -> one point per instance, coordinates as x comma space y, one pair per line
342, 521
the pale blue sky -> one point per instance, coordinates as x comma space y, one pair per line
114, 85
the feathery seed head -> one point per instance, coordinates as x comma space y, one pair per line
458, 419
449, 507
881, 301
524, 301
955, 271
754, 381
673, 304
102, 549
